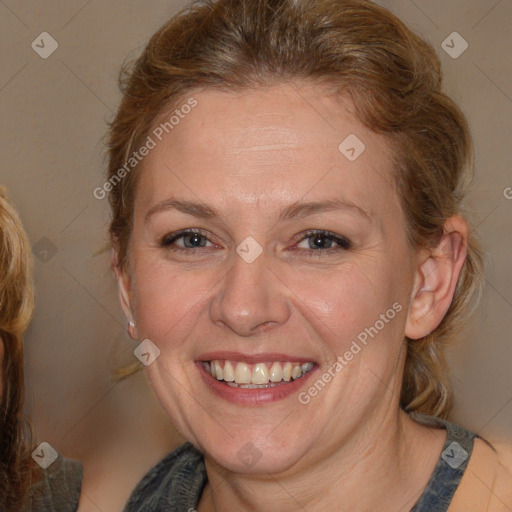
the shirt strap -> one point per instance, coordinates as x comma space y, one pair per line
450, 467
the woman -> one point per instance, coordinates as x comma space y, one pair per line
24, 485
286, 180
16, 307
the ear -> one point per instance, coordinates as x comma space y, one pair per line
436, 278
123, 286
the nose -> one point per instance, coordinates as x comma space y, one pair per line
251, 298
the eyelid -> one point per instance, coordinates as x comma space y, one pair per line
170, 238
343, 242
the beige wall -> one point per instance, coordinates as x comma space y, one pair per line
53, 115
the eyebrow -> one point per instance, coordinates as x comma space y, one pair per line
293, 211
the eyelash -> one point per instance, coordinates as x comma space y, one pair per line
344, 244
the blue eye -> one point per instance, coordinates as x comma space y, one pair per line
191, 240
319, 240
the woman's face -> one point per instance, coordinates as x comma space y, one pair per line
269, 167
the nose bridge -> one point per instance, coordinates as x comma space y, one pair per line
250, 294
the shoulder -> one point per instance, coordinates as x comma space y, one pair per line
57, 488
179, 478
487, 482
480, 482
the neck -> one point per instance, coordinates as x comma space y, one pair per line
384, 465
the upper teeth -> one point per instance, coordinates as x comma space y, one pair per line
260, 373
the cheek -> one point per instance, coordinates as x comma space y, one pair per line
167, 301
341, 302
335, 304
361, 321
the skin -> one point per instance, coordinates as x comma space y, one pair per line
249, 155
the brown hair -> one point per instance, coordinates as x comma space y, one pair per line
16, 307
394, 80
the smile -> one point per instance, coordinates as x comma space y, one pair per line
240, 374
254, 380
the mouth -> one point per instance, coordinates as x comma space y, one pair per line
254, 383
239, 374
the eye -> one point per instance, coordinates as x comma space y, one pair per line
192, 239
319, 240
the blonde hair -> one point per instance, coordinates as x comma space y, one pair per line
393, 78
16, 308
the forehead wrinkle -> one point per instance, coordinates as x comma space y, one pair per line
266, 147
295, 210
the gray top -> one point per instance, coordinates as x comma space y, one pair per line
59, 489
450, 466
176, 483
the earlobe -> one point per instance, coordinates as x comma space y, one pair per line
436, 280
124, 299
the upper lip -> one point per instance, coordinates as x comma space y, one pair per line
260, 357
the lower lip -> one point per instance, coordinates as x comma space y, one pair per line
254, 396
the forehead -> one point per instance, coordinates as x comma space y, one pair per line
268, 146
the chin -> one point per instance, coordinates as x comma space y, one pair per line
261, 455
